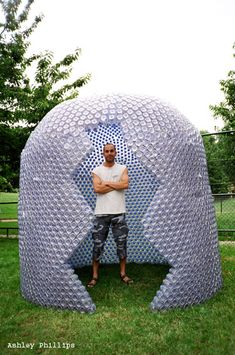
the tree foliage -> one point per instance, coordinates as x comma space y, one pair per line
226, 109
219, 162
223, 148
24, 100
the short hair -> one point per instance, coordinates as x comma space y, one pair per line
109, 144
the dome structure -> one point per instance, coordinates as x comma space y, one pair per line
170, 211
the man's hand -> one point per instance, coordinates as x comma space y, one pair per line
99, 186
103, 187
120, 185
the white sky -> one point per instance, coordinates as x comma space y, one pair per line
177, 50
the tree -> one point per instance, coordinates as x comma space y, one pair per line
226, 144
13, 139
226, 111
216, 163
24, 102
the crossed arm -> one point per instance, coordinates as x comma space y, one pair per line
103, 187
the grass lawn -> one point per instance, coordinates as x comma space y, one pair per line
122, 323
8, 212
8, 196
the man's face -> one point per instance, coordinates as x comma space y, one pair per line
109, 153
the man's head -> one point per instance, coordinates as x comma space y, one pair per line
109, 152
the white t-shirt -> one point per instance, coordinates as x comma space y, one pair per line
112, 202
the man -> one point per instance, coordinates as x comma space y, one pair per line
110, 180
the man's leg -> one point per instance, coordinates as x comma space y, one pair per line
123, 266
95, 273
126, 279
99, 234
120, 233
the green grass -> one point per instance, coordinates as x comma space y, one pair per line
226, 218
5, 225
8, 197
8, 212
228, 204
122, 323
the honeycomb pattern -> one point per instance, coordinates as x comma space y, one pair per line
170, 210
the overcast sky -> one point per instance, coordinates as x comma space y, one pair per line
177, 50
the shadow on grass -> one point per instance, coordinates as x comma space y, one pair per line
111, 292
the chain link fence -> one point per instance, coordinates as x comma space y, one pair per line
220, 152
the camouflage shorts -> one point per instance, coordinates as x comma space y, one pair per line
100, 233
